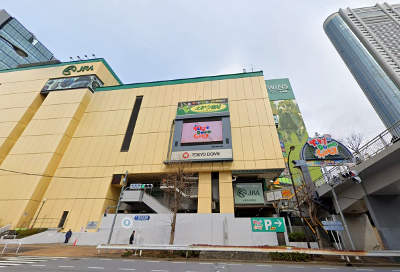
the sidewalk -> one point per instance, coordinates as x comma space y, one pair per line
62, 250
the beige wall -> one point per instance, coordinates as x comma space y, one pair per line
81, 135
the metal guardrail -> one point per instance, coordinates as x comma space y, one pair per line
18, 244
382, 253
367, 151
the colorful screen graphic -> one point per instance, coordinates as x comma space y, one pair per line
202, 132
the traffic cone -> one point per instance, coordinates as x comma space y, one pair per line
76, 240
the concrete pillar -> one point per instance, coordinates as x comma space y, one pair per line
204, 193
226, 203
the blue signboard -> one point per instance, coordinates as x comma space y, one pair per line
142, 217
333, 225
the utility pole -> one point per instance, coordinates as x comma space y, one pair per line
297, 199
119, 202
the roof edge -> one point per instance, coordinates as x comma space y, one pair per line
179, 81
66, 63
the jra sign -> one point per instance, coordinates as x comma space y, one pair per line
249, 193
268, 224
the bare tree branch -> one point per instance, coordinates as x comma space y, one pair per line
354, 142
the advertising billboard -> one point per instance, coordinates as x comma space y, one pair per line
290, 125
202, 132
58, 84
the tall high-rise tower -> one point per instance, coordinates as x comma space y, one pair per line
18, 46
368, 40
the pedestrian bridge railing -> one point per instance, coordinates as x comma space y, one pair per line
369, 150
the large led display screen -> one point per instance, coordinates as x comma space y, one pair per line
201, 132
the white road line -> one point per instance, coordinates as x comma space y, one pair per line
179, 262
206, 263
328, 268
66, 266
364, 269
19, 262
95, 267
38, 265
265, 265
106, 259
153, 261
296, 266
158, 270
127, 269
8, 264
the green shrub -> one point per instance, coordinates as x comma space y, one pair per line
127, 253
21, 233
297, 237
293, 257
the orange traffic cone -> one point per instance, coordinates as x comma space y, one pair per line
76, 240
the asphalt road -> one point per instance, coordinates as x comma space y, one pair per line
45, 264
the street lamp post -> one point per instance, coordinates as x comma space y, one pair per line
297, 199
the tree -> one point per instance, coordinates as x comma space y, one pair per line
177, 182
354, 142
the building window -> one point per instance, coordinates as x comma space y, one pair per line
131, 125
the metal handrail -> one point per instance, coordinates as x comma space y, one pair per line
369, 150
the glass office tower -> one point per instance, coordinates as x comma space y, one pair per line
368, 41
18, 45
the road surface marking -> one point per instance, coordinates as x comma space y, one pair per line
178, 262
296, 266
38, 265
158, 270
153, 261
95, 267
66, 266
106, 259
127, 269
234, 264
364, 269
396, 270
328, 268
8, 264
206, 263
16, 262
266, 265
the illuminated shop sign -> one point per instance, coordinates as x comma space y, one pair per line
201, 132
74, 69
202, 106
202, 155
58, 84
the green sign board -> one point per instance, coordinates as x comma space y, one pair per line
268, 224
279, 89
203, 106
249, 193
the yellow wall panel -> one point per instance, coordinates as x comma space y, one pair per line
226, 192
204, 193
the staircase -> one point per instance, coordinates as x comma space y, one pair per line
142, 196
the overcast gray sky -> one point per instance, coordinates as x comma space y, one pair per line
146, 40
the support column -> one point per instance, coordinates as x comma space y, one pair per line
204, 193
226, 203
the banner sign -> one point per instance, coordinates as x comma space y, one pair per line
249, 193
324, 148
202, 106
201, 155
268, 224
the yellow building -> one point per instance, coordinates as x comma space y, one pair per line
64, 146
